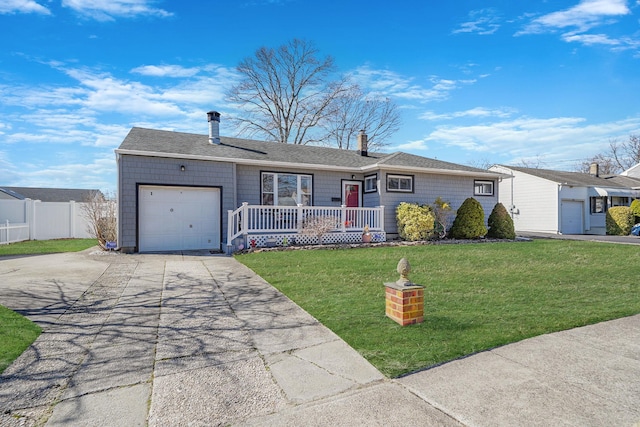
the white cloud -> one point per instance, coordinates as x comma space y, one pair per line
166, 71
93, 173
584, 16
560, 139
590, 39
482, 21
108, 10
22, 6
620, 44
472, 113
92, 115
575, 22
391, 84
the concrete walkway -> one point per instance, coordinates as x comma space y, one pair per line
199, 340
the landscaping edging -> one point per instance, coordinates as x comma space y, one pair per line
382, 244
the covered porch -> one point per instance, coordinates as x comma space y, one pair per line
271, 226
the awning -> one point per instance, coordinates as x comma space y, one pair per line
612, 192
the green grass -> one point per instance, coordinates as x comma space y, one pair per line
477, 296
31, 247
16, 334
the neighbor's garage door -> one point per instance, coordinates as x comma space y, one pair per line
178, 218
572, 213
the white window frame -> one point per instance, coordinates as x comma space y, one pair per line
480, 188
371, 183
619, 201
400, 178
598, 205
302, 197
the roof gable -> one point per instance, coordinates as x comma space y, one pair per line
633, 171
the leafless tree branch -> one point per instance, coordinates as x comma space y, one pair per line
101, 213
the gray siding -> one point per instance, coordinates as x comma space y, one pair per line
427, 188
326, 185
134, 170
245, 187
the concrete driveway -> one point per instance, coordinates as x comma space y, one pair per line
200, 340
624, 240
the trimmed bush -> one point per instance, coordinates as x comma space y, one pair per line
635, 210
469, 222
415, 222
619, 221
500, 223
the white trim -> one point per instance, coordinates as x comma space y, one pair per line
632, 171
482, 183
370, 178
409, 178
360, 185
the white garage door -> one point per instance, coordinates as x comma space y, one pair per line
572, 213
178, 218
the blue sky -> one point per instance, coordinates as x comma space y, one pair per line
498, 81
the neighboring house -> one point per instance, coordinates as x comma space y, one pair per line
632, 172
186, 191
563, 202
46, 194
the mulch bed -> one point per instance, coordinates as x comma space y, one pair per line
381, 244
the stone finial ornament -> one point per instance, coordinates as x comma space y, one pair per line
404, 268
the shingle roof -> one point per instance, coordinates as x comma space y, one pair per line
579, 179
626, 181
178, 144
49, 194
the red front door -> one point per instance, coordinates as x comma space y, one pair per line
352, 195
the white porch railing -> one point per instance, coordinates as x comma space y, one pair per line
250, 220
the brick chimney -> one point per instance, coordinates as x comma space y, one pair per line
214, 127
594, 169
362, 143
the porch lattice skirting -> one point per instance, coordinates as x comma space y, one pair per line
275, 240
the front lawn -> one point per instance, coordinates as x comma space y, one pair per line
31, 247
477, 296
16, 334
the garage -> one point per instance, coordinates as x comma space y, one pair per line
572, 214
178, 218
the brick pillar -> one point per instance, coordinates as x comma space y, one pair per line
404, 304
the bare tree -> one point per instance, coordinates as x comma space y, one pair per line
100, 212
318, 226
285, 92
625, 154
353, 111
483, 163
536, 163
606, 165
619, 156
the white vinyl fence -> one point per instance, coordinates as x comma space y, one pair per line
35, 220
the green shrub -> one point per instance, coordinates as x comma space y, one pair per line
469, 222
619, 221
635, 209
500, 223
415, 222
